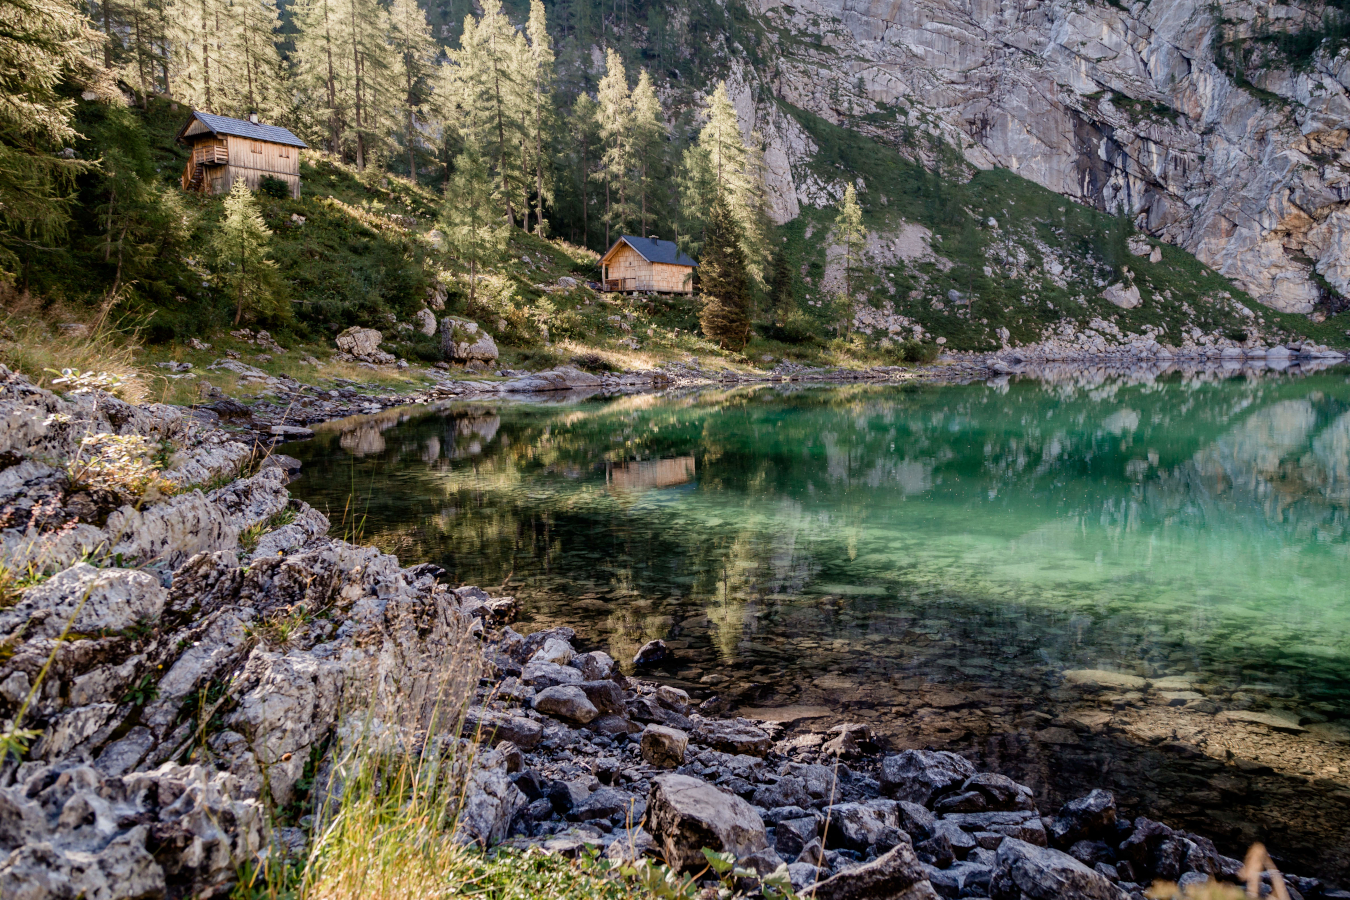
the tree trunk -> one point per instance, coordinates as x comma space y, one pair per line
206, 56
412, 160
356, 92
335, 145
107, 31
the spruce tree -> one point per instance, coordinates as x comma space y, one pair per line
585, 153
240, 248
725, 312
782, 298
615, 118
318, 63
44, 43
474, 231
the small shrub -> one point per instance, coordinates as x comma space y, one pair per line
799, 328
274, 188
593, 362
911, 352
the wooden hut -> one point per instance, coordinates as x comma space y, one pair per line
226, 150
647, 264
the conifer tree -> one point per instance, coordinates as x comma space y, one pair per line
615, 117
317, 57
586, 141
240, 248
849, 231
723, 165
475, 233
538, 75
725, 313
649, 134
487, 95
781, 293
414, 67
44, 43
258, 86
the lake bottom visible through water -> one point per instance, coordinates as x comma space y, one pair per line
1131, 586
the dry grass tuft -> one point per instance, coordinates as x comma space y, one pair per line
42, 342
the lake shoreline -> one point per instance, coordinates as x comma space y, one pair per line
184, 688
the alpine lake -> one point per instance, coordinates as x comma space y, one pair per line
932, 560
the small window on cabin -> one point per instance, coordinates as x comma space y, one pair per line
255, 146
285, 152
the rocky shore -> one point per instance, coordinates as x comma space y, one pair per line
183, 643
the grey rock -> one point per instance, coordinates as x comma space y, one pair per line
566, 701
1000, 792
464, 340
664, 747
1026, 872
789, 790
1086, 818
896, 875
651, 653
495, 727
920, 776
546, 674
595, 665
733, 737
791, 836
686, 814
490, 802
856, 826
605, 696
915, 820
88, 600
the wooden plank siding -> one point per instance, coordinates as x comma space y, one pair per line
228, 159
627, 270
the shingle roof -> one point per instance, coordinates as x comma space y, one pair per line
658, 251
274, 134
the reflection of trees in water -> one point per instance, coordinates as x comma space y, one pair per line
748, 499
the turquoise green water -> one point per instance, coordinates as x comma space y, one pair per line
782, 539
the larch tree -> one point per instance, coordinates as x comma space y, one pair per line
240, 250
724, 315
475, 233
414, 70
488, 97
615, 117
649, 140
585, 153
539, 75
318, 60
722, 164
45, 43
257, 69
850, 234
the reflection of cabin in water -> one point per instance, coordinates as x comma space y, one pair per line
647, 264
226, 150
650, 473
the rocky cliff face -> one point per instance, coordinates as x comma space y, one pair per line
1182, 113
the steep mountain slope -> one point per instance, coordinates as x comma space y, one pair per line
1224, 129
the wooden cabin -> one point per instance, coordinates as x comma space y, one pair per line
226, 150
647, 264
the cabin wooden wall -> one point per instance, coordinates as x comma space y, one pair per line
275, 160
639, 275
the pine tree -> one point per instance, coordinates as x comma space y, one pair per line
43, 44
722, 165
475, 233
240, 247
649, 140
615, 117
725, 314
539, 76
414, 67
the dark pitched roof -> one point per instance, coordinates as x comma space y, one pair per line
657, 251
274, 134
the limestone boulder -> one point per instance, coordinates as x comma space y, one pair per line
88, 600
464, 340
921, 776
566, 701
664, 747
1121, 295
895, 875
686, 814
426, 322
1026, 872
